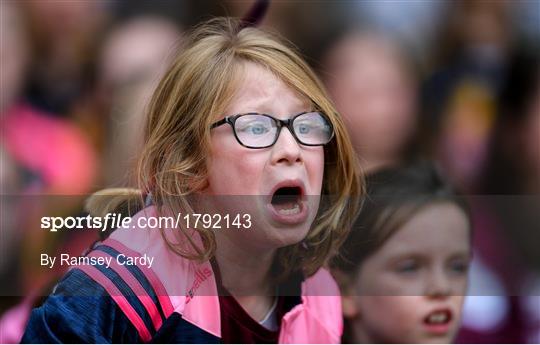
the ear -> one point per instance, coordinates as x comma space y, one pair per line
349, 299
349, 305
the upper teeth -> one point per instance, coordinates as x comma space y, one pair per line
292, 210
440, 317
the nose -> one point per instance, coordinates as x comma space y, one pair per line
438, 285
286, 150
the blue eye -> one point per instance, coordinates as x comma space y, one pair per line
459, 267
258, 129
407, 266
304, 129
253, 128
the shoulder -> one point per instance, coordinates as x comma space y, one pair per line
318, 318
79, 310
101, 297
321, 284
322, 298
131, 282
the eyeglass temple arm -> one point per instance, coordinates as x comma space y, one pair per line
220, 122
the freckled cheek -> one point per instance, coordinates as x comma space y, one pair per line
457, 303
459, 286
315, 168
233, 172
395, 315
407, 310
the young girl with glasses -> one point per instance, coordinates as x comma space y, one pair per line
403, 268
239, 125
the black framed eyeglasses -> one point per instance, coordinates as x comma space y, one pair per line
258, 131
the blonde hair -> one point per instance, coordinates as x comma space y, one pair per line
198, 87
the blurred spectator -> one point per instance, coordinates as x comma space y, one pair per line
375, 89
15, 55
64, 37
41, 154
526, 18
507, 262
412, 22
54, 155
466, 103
517, 129
460, 96
134, 56
463, 133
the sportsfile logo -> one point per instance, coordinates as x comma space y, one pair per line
117, 221
200, 276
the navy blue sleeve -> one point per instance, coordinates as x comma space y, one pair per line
79, 311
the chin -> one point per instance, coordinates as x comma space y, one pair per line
432, 339
287, 236
282, 230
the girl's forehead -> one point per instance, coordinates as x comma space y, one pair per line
258, 89
435, 229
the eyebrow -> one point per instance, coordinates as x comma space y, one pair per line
264, 107
422, 256
271, 114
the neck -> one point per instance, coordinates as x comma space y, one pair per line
245, 273
244, 270
357, 334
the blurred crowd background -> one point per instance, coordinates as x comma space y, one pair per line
456, 82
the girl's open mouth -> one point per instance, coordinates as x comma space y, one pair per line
438, 321
287, 204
